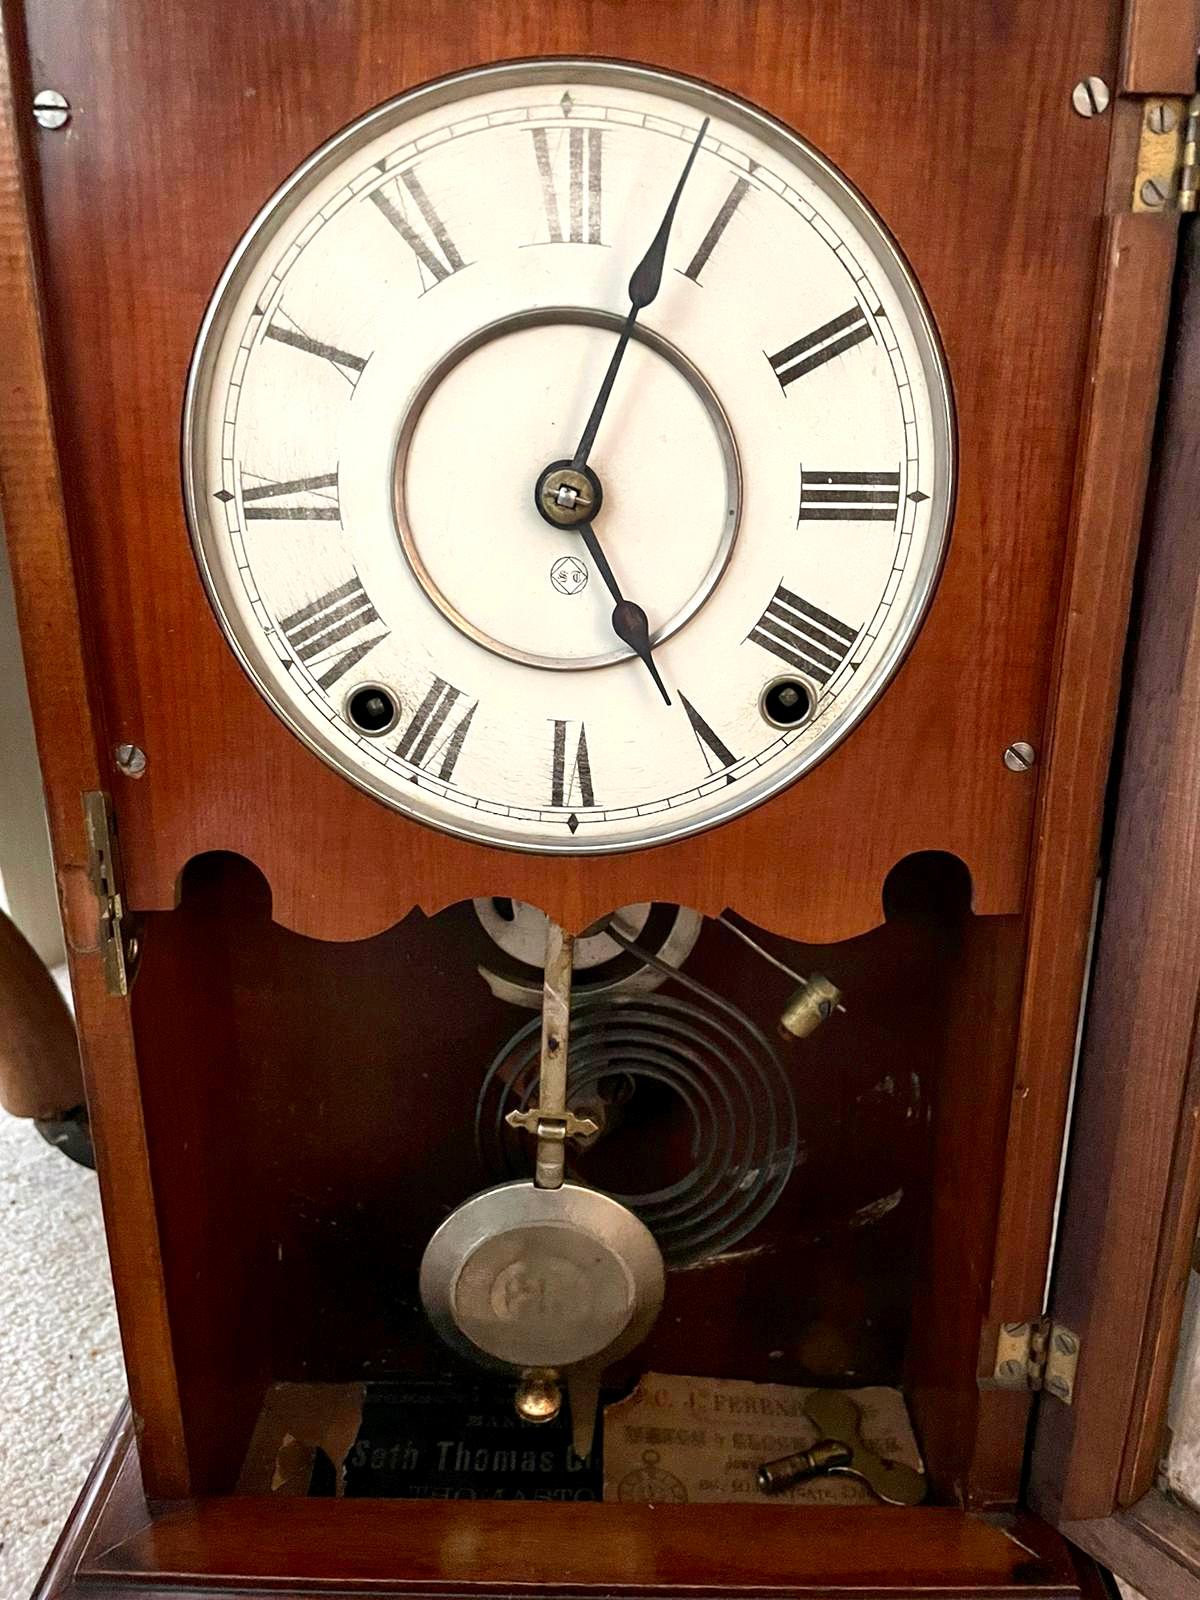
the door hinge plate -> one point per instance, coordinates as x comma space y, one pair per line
1165, 178
118, 944
1041, 1355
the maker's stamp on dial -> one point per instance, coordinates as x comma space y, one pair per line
569, 575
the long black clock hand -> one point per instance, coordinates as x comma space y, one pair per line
629, 621
643, 288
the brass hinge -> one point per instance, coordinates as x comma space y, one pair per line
118, 944
1166, 177
1037, 1355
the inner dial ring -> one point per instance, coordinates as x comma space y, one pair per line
620, 522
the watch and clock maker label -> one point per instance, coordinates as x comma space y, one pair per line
429, 1440
453, 272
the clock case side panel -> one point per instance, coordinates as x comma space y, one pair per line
71, 750
1132, 297
1132, 1197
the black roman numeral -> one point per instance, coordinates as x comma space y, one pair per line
435, 251
321, 507
582, 220
571, 771
815, 349
717, 227
803, 636
345, 364
328, 622
431, 740
713, 748
848, 496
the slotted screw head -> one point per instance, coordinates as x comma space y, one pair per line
50, 109
1154, 192
131, 760
1160, 118
1020, 756
1090, 97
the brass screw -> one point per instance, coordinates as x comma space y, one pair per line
130, 759
1090, 97
1020, 756
50, 109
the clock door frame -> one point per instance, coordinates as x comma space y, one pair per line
1132, 1197
1134, 257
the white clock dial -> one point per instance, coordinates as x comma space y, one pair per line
418, 326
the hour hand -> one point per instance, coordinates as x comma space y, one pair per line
629, 621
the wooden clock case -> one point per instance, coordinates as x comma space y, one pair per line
255, 1091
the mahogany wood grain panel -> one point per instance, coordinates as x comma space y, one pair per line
212, 1139
179, 134
492, 1547
110, 1506
1133, 300
1147, 1436
52, 636
1166, 693
112, 1548
1128, 1218
973, 1439
1158, 47
1154, 1547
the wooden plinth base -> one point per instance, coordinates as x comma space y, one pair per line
114, 1545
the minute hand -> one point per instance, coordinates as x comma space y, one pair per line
643, 288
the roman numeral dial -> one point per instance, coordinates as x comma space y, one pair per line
335, 631
713, 748
571, 767
848, 496
404, 203
283, 330
570, 166
715, 230
437, 730
823, 344
803, 636
313, 499
544, 291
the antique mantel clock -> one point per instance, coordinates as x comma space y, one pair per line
574, 566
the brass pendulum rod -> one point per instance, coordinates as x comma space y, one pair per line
538, 1396
550, 1121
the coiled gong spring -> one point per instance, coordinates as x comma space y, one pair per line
732, 1125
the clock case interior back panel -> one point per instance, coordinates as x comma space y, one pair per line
264, 1086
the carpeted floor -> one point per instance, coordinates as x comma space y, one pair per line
61, 1377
